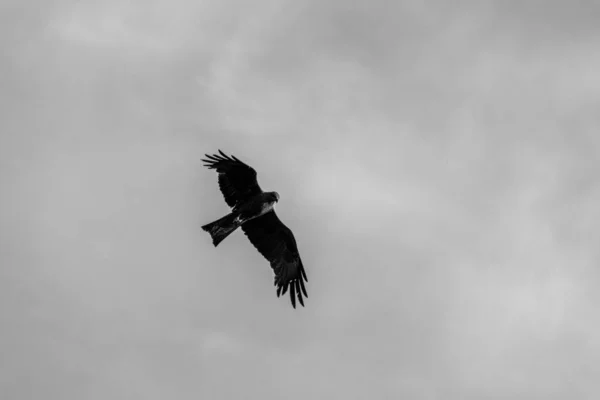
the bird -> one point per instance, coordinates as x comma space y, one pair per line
253, 210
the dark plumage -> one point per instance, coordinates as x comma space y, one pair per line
253, 211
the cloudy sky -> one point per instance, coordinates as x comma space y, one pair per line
437, 161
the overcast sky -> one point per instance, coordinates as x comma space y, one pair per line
437, 162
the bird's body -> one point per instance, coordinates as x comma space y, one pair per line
254, 211
258, 205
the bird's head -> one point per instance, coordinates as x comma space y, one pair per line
275, 196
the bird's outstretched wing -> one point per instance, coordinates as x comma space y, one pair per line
277, 244
237, 180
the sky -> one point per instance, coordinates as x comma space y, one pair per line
436, 161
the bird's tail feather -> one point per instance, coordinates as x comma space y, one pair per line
222, 228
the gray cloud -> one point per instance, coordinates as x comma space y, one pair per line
436, 164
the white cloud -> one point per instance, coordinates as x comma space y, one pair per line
436, 165
110, 24
221, 342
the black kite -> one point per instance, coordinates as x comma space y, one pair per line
254, 211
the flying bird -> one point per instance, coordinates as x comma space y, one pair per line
253, 210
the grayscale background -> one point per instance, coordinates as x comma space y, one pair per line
437, 161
